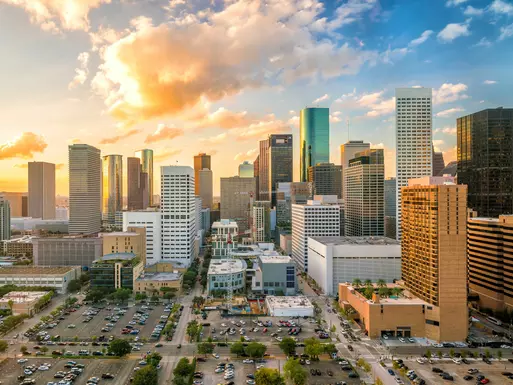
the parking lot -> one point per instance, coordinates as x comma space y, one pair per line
121, 370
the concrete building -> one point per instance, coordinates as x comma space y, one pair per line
41, 190
151, 283
256, 174
202, 161
335, 260
286, 243
365, 194
237, 195
23, 302
298, 306
438, 162
137, 184
433, 253
18, 246
348, 152
223, 232
280, 164
57, 277
263, 171
5, 220
261, 226
112, 191
126, 242
151, 222
85, 190
414, 139
62, 214
314, 139
311, 220
36, 224
178, 213
117, 270
18, 202
275, 274
326, 179
205, 219
246, 170
222, 271
146, 158
390, 208
206, 190
66, 251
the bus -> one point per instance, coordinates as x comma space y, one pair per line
494, 321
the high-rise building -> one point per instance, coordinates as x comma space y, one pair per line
85, 190
151, 222
365, 199
438, 162
261, 226
414, 144
246, 170
263, 171
18, 202
280, 163
390, 207
5, 220
178, 216
326, 179
485, 160
314, 139
205, 179
314, 219
112, 187
201, 161
347, 152
146, 157
237, 196
41, 190
433, 253
256, 174
137, 183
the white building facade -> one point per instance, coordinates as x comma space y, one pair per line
151, 221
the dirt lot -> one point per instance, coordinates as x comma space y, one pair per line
121, 369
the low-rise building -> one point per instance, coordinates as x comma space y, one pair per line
298, 306
151, 283
131, 241
56, 277
286, 243
223, 237
222, 271
275, 274
18, 246
343, 259
38, 224
114, 271
151, 222
23, 302
66, 250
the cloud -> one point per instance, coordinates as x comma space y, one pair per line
471, 11
321, 99
261, 129
488, 82
437, 143
445, 130
23, 146
454, 3
161, 156
294, 121
453, 31
501, 7
335, 119
449, 92
21, 165
506, 32
105, 36
450, 155
60, 166
375, 103
421, 39
54, 15
163, 132
351, 12
484, 42
222, 118
215, 139
74, 141
117, 138
81, 72
248, 155
449, 112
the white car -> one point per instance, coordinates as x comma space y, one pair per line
307, 362
398, 380
43, 368
259, 366
223, 325
402, 340
457, 361
421, 360
136, 369
215, 355
385, 336
71, 326
22, 360
248, 361
243, 322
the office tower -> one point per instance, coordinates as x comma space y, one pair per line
438, 162
246, 170
347, 152
326, 179
314, 219
485, 160
17, 201
490, 253
261, 226
85, 190
365, 200
256, 174
237, 197
137, 184
263, 171
66, 251
41, 190
5, 220
280, 163
146, 157
112, 200
413, 130
201, 161
178, 217
433, 253
451, 169
390, 207
206, 191
151, 222
314, 139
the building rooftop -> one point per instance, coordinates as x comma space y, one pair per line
161, 276
275, 258
119, 234
36, 270
22, 296
288, 302
24, 239
224, 223
114, 256
356, 240
226, 266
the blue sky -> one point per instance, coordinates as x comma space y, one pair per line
217, 76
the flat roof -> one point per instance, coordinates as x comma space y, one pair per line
485, 219
113, 256
226, 266
24, 239
224, 223
299, 301
275, 258
22, 296
37, 270
340, 240
119, 234
160, 276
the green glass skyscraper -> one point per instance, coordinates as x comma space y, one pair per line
314, 139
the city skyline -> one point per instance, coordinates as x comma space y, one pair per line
90, 99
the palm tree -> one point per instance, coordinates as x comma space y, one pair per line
383, 292
396, 291
10, 303
368, 283
381, 283
357, 282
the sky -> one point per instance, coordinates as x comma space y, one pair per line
216, 76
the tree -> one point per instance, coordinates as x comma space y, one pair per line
10, 303
396, 291
74, 285
153, 359
169, 295
23, 349
122, 294
330, 348
147, 375
439, 354
120, 347
237, 348
3, 346
383, 292
369, 291
43, 349
451, 353
295, 372
288, 346
313, 347
255, 350
140, 296
357, 282
198, 301
428, 354
183, 368
95, 295
193, 329
266, 376
206, 348
488, 354
381, 283
368, 283
379, 381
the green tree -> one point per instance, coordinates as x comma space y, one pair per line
266, 376
237, 348
357, 282
193, 329
10, 303
23, 349
169, 295
439, 354
140, 296
183, 368
381, 283
451, 353
295, 372
147, 375
313, 347
3, 346
206, 348
330, 348
396, 291
369, 291
499, 355
368, 283
383, 292
153, 359
74, 285
95, 295
255, 350
43, 349
428, 354
379, 381
120, 347
288, 346
197, 301
488, 354
122, 294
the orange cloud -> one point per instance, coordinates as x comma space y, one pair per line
24, 146
163, 132
165, 155
21, 165
117, 138
261, 129
59, 166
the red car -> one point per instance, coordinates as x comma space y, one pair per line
485, 381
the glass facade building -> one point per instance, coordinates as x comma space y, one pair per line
112, 192
314, 139
485, 160
280, 163
146, 157
114, 271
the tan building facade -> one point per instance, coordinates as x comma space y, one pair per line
132, 241
41, 190
236, 196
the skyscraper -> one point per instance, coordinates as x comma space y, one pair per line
414, 140
246, 170
18, 202
146, 157
237, 196
201, 161
5, 220
485, 160
280, 165
390, 208
41, 190
326, 179
347, 152
205, 179
365, 196
178, 213
433, 253
438, 162
263, 171
314, 139
261, 226
85, 192
137, 183
256, 174
112, 187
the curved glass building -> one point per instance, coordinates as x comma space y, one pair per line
112, 187
314, 139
